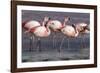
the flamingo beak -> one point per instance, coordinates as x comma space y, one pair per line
47, 19
87, 27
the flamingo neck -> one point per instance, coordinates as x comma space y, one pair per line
76, 30
47, 23
23, 23
43, 23
65, 21
47, 27
77, 33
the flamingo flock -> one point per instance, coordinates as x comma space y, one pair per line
44, 29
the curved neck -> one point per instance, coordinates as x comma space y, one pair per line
64, 23
47, 28
76, 32
24, 23
43, 23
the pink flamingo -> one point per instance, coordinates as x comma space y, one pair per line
42, 30
28, 25
73, 30
83, 28
69, 31
55, 25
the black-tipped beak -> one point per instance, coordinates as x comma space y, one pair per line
87, 27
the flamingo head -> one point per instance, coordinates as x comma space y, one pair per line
66, 19
23, 23
83, 27
87, 27
46, 18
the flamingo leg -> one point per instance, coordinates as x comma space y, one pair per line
83, 44
54, 36
38, 45
68, 43
31, 42
61, 45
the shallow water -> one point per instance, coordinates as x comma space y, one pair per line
35, 56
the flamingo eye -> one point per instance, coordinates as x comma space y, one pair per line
52, 23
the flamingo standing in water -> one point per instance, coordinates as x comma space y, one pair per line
55, 25
69, 31
28, 25
74, 30
83, 28
41, 31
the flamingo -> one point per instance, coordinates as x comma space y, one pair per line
74, 30
83, 28
55, 25
42, 30
28, 25
69, 31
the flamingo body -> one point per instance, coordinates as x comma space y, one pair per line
69, 31
42, 31
55, 25
31, 24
